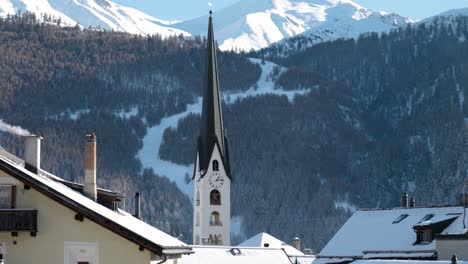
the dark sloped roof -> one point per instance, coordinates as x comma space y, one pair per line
211, 130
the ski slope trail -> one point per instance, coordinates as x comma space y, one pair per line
149, 153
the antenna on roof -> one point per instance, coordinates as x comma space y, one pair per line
465, 183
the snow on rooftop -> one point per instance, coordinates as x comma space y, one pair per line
387, 230
403, 262
235, 255
261, 240
119, 217
308, 259
437, 219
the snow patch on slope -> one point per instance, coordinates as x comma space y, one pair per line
149, 153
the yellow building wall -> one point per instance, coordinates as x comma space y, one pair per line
57, 225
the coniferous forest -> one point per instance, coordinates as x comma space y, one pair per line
384, 115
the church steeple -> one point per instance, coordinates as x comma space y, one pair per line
211, 130
212, 183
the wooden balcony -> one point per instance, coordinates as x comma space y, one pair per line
17, 220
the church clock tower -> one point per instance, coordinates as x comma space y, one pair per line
212, 181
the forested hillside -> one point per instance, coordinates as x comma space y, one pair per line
63, 83
385, 116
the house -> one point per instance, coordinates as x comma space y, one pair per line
236, 255
45, 219
454, 243
405, 233
265, 240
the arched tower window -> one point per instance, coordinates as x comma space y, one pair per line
215, 165
215, 219
197, 218
215, 197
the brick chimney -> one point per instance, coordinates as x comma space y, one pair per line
90, 187
32, 153
404, 200
412, 202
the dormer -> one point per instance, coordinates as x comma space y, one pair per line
430, 226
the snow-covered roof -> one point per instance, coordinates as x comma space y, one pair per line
132, 228
437, 219
262, 239
306, 259
235, 255
374, 233
404, 262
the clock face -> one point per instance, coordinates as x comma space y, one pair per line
216, 180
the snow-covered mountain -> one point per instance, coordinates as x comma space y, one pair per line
93, 13
447, 17
245, 25
450, 13
255, 24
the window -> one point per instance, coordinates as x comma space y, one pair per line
400, 218
215, 219
424, 236
215, 197
215, 240
197, 198
197, 218
235, 252
215, 165
218, 240
81, 253
427, 218
7, 196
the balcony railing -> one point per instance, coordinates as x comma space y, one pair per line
14, 220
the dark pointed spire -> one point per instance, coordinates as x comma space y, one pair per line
211, 131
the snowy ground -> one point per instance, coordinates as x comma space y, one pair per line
149, 153
77, 114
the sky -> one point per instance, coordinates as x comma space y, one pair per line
186, 9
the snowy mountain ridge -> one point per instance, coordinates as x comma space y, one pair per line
249, 24
102, 14
245, 25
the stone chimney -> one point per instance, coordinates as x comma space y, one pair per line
297, 243
90, 186
137, 205
32, 153
404, 200
412, 202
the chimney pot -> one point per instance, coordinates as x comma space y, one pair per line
297, 243
412, 202
137, 205
32, 153
90, 186
404, 200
